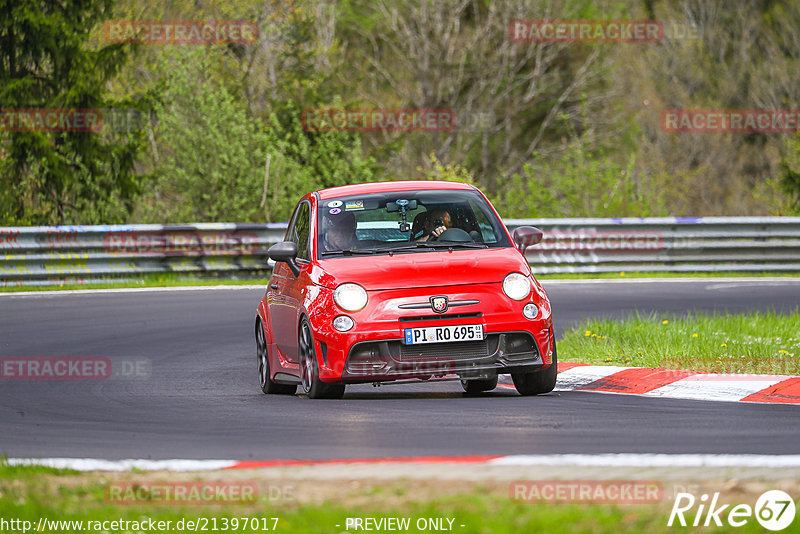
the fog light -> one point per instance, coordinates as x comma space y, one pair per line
530, 310
343, 323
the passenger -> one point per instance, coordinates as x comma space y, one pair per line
418, 226
341, 235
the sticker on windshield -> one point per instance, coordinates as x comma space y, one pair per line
334, 211
354, 205
334, 203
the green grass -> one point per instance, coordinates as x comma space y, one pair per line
23, 471
751, 343
30, 493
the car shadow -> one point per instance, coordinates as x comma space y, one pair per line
404, 395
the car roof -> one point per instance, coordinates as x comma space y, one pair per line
389, 187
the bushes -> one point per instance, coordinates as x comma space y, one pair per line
209, 161
579, 183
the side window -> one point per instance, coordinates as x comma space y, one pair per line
300, 230
484, 224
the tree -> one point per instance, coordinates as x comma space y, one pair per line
56, 177
509, 98
211, 151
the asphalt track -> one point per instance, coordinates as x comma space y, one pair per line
201, 398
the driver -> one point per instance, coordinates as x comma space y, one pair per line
341, 234
436, 223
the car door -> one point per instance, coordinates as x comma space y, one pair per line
288, 290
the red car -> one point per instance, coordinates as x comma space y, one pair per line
402, 280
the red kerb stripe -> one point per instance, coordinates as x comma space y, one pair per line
637, 380
565, 366
787, 391
417, 459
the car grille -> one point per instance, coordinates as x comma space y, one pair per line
456, 350
474, 315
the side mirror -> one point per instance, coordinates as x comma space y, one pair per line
285, 251
526, 236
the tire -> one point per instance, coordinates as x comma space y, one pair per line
267, 385
537, 382
311, 385
474, 387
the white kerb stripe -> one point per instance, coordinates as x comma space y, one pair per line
91, 464
580, 376
652, 460
715, 389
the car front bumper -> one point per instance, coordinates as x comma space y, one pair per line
374, 350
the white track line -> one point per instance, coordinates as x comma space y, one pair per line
92, 464
551, 460
701, 280
652, 460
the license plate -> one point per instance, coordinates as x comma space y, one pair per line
443, 334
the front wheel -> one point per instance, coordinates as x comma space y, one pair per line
311, 385
537, 382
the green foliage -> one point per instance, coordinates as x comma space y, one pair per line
311, 160
546, 129
789, 174
209, 151
61, 177
448, 172
577, 183
210, 164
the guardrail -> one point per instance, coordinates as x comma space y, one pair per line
666, 244
84, 254
47, 255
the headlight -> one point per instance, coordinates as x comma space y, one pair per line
350, 297
516, 286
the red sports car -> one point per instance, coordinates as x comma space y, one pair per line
402, 280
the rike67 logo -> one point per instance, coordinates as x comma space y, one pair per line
774, 510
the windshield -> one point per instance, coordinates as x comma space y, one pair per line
407, 221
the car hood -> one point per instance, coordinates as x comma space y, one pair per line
421, 269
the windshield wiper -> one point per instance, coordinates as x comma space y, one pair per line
438, 244
350, 252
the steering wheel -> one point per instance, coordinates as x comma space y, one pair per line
456, 235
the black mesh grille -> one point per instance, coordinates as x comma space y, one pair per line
455, 350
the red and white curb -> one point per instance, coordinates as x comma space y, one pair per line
579, 460
676, 384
